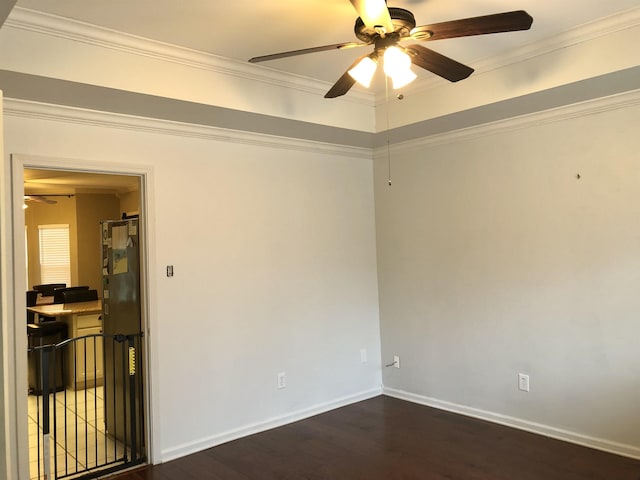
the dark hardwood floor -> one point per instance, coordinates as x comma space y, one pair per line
386, 439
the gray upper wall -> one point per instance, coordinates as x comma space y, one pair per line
35, 88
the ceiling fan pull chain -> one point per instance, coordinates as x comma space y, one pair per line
389, 161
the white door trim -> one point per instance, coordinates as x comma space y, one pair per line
15, 362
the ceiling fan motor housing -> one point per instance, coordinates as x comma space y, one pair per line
403, 21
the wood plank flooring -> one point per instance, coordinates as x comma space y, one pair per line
386, 439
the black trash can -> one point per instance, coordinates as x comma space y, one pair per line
32, 300
46, 333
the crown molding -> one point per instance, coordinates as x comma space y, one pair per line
77, 31
49, 112
581, 34
559, 114
57, 113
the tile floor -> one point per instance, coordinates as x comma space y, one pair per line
81, 440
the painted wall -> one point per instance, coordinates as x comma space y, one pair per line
273, 248
91, 209
494, 258
129, 203
82, 213
62, 212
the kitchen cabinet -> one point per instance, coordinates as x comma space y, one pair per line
85, 355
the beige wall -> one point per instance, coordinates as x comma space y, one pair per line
83, 214
90, 210
130, 202
62, 212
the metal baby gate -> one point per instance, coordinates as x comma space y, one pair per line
86, 408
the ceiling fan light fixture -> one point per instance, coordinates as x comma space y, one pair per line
397, 66
395, 60
402, 78
363, 72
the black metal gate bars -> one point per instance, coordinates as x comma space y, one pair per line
87, 409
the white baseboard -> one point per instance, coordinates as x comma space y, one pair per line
546, 430
224, 437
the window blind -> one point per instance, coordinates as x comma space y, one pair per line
55, 257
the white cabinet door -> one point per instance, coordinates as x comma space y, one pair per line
86, 362
89, 357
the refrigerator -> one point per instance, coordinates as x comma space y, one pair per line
121, 316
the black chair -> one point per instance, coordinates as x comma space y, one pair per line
72, 294
47, 289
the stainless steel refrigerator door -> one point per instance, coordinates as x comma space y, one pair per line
121, 316
121, 277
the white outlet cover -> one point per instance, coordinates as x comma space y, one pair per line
363, 355
282, 380
523, 382
396, 361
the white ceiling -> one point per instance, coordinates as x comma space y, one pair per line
241, 29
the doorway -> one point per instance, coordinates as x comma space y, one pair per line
80, 441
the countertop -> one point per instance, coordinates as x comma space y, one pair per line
60, 309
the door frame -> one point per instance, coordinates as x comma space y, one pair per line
15, 339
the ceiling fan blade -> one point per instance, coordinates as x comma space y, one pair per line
344, 83
496, 23
437, 63
39, 199
374, 13
293, 53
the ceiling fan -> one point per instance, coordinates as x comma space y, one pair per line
45, 198
386, 27
39, 199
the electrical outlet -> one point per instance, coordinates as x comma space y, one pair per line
282, 380
363, 355
523, 382
396, 361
